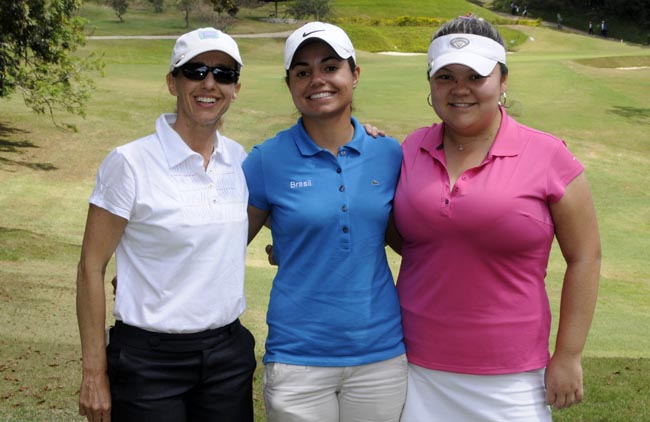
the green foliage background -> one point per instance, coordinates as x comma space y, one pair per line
37, 42
565, 83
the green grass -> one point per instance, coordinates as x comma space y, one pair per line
140, 20
616, 390
392, 9
562, 83
372, 30
103, 21
579, 18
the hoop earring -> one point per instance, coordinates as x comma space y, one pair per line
429, 100
502, 102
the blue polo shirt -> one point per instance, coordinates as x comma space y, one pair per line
333, 300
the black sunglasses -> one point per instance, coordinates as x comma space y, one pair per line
198, 72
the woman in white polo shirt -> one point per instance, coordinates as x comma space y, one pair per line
172, 206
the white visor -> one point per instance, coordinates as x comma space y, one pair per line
475, 51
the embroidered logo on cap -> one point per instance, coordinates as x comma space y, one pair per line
459, 42
208, 35
306, 34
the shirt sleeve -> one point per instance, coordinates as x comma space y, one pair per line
564, 167
254, 172
115, 186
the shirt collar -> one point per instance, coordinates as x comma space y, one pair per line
308, 147
507, 142
175, 149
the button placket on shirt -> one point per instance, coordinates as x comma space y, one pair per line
210, 173
213, 173
456, 190
460, 184
344, 220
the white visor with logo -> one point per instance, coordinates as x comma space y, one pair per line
474, 51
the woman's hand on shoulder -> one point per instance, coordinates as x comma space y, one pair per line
373, 130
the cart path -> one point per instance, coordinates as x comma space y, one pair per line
283, 34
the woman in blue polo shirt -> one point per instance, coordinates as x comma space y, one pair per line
334, 350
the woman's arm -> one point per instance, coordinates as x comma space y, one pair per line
102, 234
576, 229
393, 238
256, 219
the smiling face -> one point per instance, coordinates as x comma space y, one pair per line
201, 104
321, 83
466, 101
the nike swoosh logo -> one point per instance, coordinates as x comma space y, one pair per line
306, 34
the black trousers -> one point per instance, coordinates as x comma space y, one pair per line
206, 376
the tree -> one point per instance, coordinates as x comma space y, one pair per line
220, 6
275, 14
119, 6
158, 5
186, 6
275, 2
37, 45
319, 9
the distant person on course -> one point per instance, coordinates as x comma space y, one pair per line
172, 206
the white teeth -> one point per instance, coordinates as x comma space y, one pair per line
321, 95
206, 100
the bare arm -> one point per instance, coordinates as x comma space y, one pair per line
102, 234
256, 219
577, 234
393, 237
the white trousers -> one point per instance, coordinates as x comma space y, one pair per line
364, 393
445, 397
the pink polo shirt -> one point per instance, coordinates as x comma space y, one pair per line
474, 257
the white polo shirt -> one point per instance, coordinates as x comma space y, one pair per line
180, 261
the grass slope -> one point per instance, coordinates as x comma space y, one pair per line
562, 83
421, 8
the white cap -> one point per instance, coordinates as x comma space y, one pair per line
475, 51
201, 40
334, 36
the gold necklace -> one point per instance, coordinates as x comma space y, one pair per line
459, 146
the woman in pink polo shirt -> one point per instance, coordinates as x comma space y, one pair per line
479, 202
